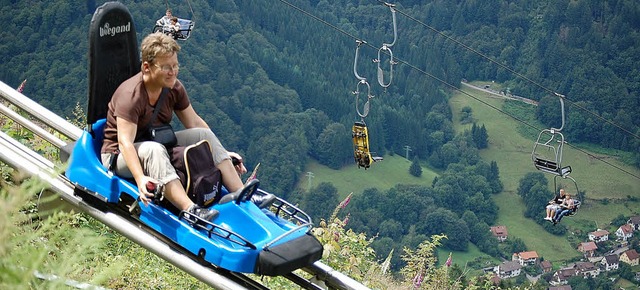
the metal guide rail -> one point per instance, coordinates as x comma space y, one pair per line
19, 156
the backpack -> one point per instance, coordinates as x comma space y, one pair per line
198, 173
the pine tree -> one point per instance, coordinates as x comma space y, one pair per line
480, 136
415, 169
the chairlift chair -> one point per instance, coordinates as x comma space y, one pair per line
186, 26
362, 155
547, 153
547, 150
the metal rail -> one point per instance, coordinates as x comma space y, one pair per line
39, 112
19, 156
333, 278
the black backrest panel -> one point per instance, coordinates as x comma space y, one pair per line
113, 55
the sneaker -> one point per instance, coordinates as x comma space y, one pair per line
548, 219
263, 201
203, 213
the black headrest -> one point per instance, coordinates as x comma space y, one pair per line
113, 55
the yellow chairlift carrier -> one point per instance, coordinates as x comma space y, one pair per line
361, 151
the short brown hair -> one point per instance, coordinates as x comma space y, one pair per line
157, 44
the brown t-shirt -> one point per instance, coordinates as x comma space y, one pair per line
131, 102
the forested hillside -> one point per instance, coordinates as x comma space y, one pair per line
275, 78
267, 72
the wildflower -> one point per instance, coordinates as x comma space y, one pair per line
21, 87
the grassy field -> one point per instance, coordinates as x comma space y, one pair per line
461, 258
512, 152
510, 145
382, 175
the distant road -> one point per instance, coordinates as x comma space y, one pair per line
500, 94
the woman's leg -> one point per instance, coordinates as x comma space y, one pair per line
562, 213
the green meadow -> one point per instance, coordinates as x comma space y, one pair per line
463, 258
510, 144
394, 169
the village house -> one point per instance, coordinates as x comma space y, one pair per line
587, 269
634, 221
588, 248
546, 266
508, 269
500, 232
630, 257
599, 236
595, 259
525, 258
561, 277
562, 287
610, 262
624, 232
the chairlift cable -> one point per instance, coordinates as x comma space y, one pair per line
552, 92
334, 27
512, 116
193, 16
453, 87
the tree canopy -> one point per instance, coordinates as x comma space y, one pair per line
287, 85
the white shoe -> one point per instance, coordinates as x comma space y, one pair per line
548, 218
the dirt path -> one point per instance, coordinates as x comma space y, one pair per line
501, 94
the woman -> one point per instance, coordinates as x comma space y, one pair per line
567, 206
174, 28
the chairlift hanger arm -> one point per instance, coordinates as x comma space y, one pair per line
361, 81
395, 27
386, 48
355, 61
561, 98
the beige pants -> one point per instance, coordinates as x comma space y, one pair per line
155, 160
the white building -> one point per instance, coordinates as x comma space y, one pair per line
599, 236
508, 269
